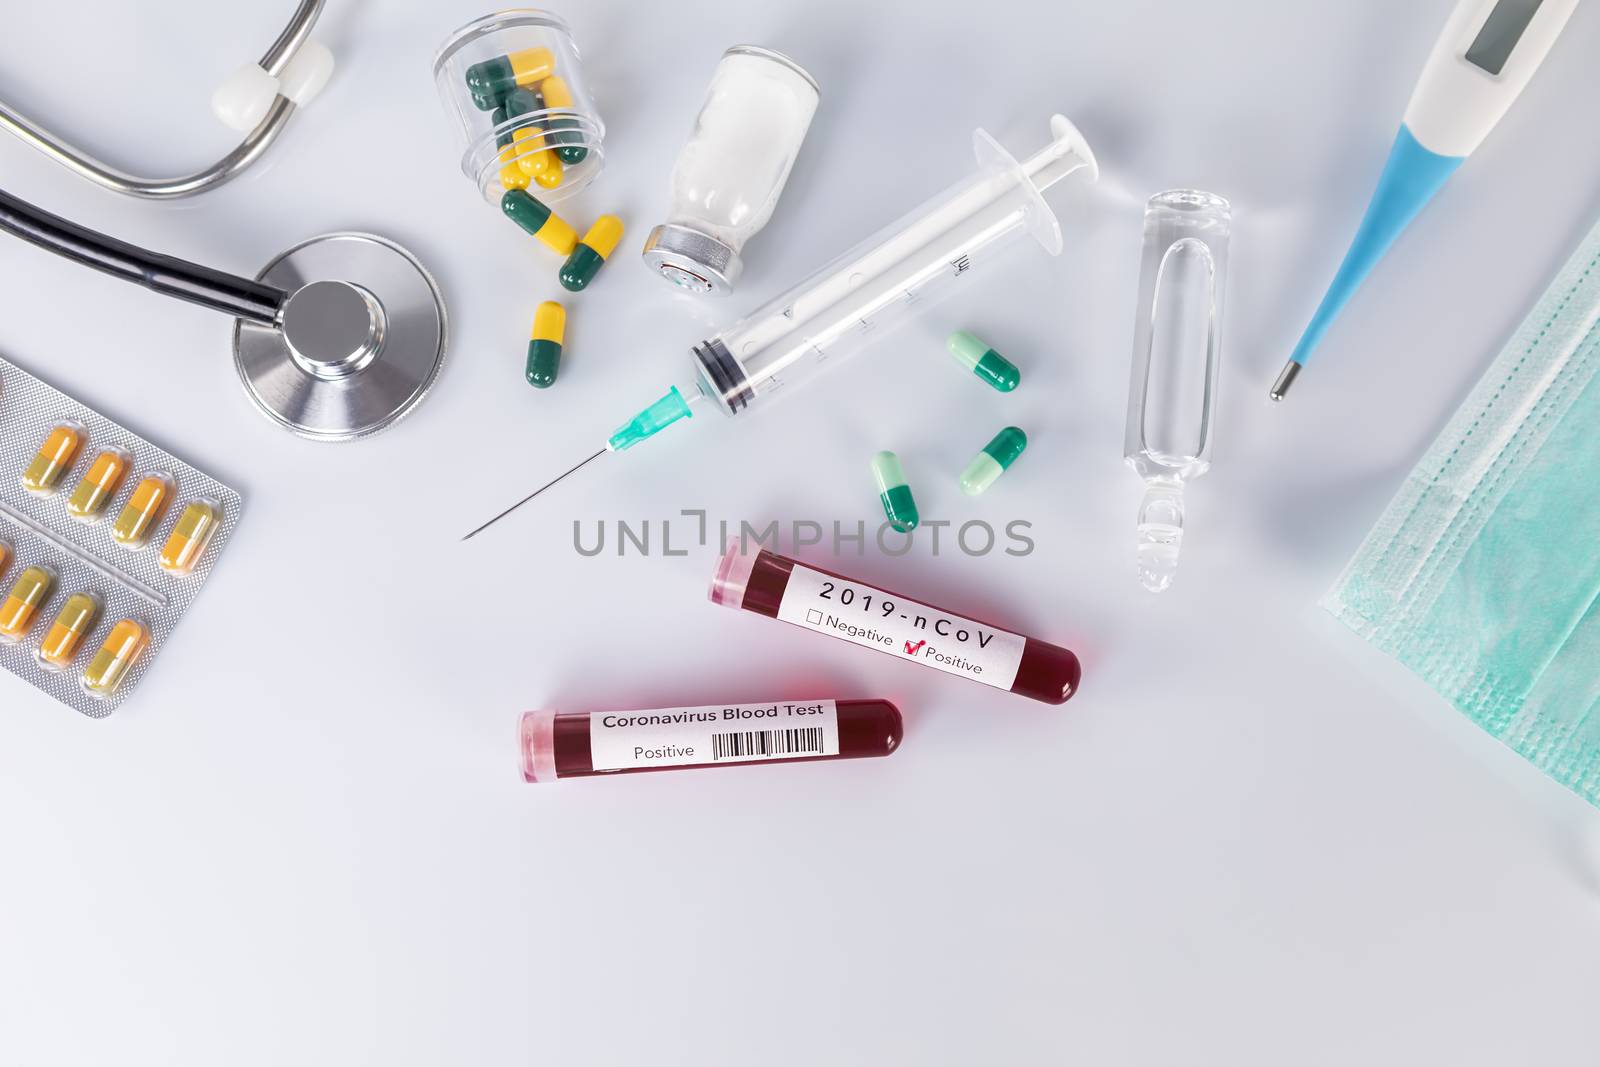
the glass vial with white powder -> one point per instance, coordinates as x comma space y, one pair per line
729, 175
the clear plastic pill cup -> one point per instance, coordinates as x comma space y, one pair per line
513, 84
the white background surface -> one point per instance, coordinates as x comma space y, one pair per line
1250, 839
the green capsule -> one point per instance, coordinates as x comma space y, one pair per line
898, 505
984, 361
558, 97
592, 252
544, 349
520, 102
996, 456
533, 215
498, 116
489, 82
569, 153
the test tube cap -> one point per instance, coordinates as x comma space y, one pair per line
732, 575
536, 744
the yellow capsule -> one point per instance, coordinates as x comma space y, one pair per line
557, 95
591, 253
544, 349
54, 459
117, 654
604, 235
74, 620
142, 511
99, 484
531, 65
512, 176
188, 540
32, 588
550, 170
550, 322
5, 556
528, 141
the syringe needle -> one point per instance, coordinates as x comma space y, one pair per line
535, 493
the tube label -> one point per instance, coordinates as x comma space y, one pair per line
740, 733
866, 616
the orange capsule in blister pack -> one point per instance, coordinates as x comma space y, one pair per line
142, 511
100, 483
190, 536
22, 603
54, 458
120, 650
73, 622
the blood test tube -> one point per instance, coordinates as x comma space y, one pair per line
839, 606
576, 745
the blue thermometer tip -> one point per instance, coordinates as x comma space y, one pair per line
1410, 179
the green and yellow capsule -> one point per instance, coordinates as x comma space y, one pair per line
30, 590
118, 653
544, 167
592, 252
54, 459
522, 107
984, 361
544, 351
142, 511
558, 97
532, 215
75, 619
100, 483
502, 138
996, 456
489, 82
893, 493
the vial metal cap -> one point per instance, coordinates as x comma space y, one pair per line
693, 261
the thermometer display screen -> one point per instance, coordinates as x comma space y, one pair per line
1507, 23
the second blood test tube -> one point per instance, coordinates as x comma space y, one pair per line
566, 745
828, 603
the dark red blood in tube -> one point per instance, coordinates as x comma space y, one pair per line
1046, 672
866, 728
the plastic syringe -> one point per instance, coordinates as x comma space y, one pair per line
845, 305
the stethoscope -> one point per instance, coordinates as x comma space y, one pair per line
257, 99
335, 339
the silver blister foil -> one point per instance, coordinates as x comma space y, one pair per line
85, 558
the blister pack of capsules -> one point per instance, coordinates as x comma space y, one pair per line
105, 541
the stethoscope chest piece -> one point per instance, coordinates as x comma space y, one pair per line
360, 339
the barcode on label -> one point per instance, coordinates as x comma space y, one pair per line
755, 743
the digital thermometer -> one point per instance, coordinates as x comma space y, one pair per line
1482, 62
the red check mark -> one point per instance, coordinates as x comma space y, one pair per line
912, 650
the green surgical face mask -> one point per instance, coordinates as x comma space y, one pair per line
1483, 576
